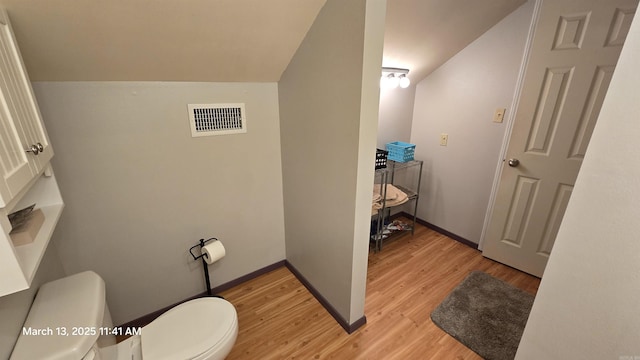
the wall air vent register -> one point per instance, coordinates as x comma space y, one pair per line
217, 119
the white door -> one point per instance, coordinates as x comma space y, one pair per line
574, 51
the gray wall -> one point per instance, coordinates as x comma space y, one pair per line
140, 191
460, 99
396, 115
328, 119
587, 306
15, 307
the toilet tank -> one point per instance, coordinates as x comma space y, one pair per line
65, 320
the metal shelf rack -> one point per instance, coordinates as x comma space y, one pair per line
406, 176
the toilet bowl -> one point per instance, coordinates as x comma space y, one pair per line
69, 319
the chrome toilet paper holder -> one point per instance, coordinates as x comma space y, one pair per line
202, 256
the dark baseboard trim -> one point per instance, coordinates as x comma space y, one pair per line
249, 276
349, 328
442, 231
146, 319
357, 324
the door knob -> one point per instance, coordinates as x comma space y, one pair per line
34, 149
514, 162
40, 147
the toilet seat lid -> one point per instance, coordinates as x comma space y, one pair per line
70, 311
188, 329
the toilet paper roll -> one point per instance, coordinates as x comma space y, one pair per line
214, 251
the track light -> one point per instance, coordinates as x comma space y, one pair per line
404, 81
394, 77
394, 81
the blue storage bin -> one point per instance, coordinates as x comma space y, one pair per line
400, 151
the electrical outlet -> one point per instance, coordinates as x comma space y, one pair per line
444, 138
498, 116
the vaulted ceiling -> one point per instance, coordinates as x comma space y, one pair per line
222, 40
421, 35
156, 40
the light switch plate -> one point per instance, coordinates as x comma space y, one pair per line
498, 116
444, 138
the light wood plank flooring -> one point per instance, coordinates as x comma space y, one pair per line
280, 319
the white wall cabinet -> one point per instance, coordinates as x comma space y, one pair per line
26, 175
25, 149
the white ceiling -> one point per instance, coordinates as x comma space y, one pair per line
222, 40
182, 40
421, 35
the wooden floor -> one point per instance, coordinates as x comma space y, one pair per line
280, 319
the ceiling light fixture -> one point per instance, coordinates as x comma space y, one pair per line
394, 77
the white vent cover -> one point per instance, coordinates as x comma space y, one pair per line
217, 119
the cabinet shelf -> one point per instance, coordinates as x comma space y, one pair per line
18, 264
30, 255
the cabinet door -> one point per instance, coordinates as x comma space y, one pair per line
14, 164
21, 125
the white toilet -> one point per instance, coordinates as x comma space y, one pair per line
70, 320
